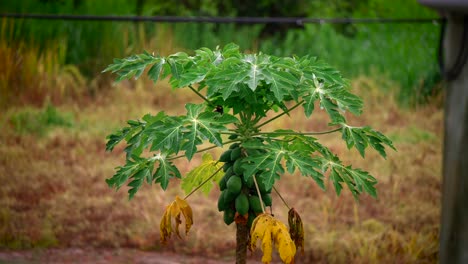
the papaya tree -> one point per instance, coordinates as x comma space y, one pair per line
241, 94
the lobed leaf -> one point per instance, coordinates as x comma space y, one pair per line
137, 170
361, 137
208, 169
267, 163
165, 172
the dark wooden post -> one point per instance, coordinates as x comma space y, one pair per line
453, 59
454, 220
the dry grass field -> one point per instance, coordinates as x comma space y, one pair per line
53, 193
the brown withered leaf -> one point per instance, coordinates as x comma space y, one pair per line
177, 208
296, 229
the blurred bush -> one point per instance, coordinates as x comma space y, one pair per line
40, 121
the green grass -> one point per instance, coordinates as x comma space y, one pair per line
39, 121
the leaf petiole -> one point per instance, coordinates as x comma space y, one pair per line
285, 133
205, 149
281, 197
200, 95
258, 193
280, 115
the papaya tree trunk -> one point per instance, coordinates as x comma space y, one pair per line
242, 234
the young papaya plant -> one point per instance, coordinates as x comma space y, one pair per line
241, 94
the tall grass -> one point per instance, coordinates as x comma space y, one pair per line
400, 52
403, 53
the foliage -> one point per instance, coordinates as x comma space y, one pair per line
239, 90
251, 85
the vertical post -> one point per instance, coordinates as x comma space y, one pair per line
454, 219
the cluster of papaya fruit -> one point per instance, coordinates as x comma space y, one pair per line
238, 192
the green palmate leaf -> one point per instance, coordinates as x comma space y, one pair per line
136, 135
281, 76
361, 137
165, 171
267, 164
117, 137
138, 178
323, 83
166, 134
209, 168
249, 86
254, 65
133, 66
155, 71
357, 180
225, 82
307, 165
203, 125
137, 170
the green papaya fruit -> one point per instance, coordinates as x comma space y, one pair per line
251, 218
229, 215
226, 156
242, 204
234, 184
249, 182
222, 183
238, 167
235, 145
230, 196
227, 165
254, 204
235, 153
222, 205
266, 198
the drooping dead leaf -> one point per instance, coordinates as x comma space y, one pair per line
296, 229
267, 229
174, 210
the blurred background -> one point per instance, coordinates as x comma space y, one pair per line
56, 108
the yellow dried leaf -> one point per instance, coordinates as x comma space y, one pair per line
267, 229
267, 246
296, 229
174, 210
283, 242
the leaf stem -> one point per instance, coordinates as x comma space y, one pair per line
205, 149
205, 181
280, 115
200, 95
228, 132
281, 197
299, 133
258, 192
